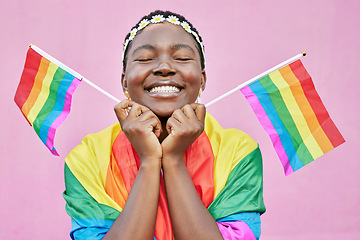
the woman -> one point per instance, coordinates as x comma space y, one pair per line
171, 171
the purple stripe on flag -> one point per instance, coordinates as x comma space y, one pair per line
235, 230
54, 152
268, 126
62, 116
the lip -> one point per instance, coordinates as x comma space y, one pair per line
160, 83
164, 94
164, 83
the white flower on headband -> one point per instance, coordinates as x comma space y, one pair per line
157, 19
173, 19
186, 26
143, 24
125, 46
126, 43
133, 33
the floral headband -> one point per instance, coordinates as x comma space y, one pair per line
159, 19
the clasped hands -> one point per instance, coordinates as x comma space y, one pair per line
143, 129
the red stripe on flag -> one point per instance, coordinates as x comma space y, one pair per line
129, 162
200, 165
318, 107
332, 132
31, 67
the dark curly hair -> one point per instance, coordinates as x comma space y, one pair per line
166, 14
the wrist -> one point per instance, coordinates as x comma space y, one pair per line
173, 161
151, 163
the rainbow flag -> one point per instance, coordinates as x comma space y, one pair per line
225, 166
292, 113
44, 94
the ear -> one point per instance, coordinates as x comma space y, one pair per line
203, 80
123, 82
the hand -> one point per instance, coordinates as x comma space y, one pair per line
184, 126
142, 127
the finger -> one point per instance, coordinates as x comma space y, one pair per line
179, 115
155, 125
189, 111
146, 115
172, 124
200, 111
137, 110
121, 109
155, 121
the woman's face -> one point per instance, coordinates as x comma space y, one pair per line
163, 70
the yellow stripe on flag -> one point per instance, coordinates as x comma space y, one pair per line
295, 112
89, 162
40, 75
306, 109
225, 143
44, 93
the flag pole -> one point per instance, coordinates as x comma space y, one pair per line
290, 60
100, 90
69, 70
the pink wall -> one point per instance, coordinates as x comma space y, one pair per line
242, 39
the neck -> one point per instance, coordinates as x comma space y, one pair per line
164, 132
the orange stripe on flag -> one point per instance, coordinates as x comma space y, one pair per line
318, 107
35, 91
310, 117
114, 184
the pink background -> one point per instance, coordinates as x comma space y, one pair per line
242, 39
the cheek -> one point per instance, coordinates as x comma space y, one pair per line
193, 79
135, 76
193, 76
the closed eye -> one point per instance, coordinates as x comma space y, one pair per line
183, 59
144, 60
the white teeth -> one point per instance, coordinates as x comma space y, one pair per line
164, 89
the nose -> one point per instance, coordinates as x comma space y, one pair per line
164, 68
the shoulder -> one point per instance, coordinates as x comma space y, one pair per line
235, 153
104, 137
97, 143
237, 171
88, 163
93, 154
228, 139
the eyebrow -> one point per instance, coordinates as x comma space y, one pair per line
152, 48
146, 46
181, 45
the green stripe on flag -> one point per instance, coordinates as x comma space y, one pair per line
243, 190
50, 101
80, 204
286, 119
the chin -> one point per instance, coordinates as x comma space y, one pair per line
163, 113
166, 110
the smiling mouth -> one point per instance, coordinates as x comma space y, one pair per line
164, 89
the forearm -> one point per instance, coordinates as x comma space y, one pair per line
190, 219
138, 218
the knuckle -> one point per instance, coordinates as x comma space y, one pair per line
178, 111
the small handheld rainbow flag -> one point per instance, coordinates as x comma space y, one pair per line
44, 95
292, 113
45, 91
290, 110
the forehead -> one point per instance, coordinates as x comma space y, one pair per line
163, 35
